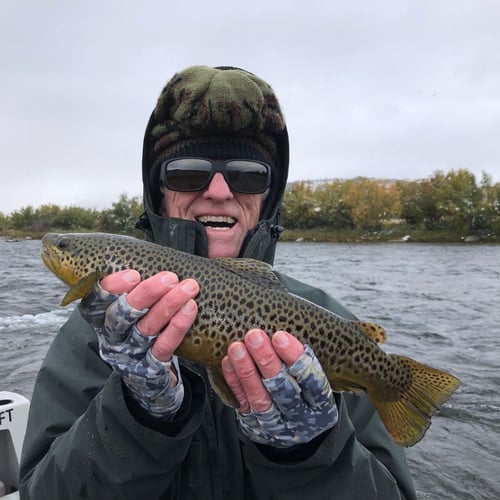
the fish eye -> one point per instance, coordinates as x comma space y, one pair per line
63, 243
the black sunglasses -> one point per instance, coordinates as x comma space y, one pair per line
195, 174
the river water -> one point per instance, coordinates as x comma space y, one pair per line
439, 304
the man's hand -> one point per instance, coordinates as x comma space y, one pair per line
139, 325
284, 395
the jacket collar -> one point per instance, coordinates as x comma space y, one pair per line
190, 236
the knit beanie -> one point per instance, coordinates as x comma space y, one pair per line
219, 112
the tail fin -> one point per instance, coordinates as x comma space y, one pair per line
408, 418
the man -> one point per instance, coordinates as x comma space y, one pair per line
116, 415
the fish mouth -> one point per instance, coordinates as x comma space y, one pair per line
50, 255
218, 222
48, 258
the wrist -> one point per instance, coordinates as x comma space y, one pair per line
150, 384
170, 426
293, 454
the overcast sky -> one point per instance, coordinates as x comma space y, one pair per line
386, 88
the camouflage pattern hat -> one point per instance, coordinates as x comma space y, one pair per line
216, 112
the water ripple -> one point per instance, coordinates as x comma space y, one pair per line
438, 303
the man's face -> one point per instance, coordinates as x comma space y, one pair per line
226, 215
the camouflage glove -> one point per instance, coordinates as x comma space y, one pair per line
303, 406
129, 353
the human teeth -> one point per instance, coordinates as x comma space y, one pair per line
217, 219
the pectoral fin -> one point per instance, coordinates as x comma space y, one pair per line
82, 288
220, 386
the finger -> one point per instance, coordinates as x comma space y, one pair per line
94, 305
120, 317
234, 384
266, 427
286, 393
257, 395
171, 337
263, 353
287, 347
316, 389
166, 306
121, 281
149, 291
171, 366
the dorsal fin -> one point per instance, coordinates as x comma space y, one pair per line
257, 272
372, 331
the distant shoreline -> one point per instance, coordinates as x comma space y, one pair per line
322, 235
393, 235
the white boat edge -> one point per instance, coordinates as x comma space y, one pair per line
14, 410
11, 496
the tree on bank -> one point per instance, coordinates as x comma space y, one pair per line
451, 201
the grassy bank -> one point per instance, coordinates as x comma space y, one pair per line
400, 234
319, 234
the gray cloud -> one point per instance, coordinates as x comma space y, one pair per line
382, 89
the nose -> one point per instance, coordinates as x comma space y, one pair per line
218, 189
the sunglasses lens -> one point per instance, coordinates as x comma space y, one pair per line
187, 174
248, 177
195, 174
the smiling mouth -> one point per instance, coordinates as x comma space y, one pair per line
220, 222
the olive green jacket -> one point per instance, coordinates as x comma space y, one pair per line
86, 440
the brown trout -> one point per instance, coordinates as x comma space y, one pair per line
239, 294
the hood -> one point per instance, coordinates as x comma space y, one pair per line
190, 236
